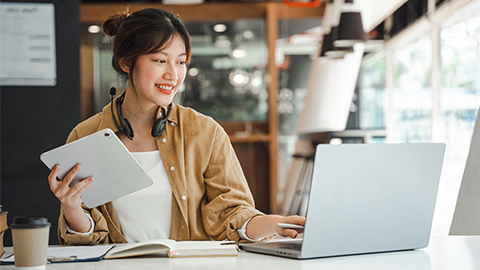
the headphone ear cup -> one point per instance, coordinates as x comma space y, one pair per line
127, 128
159, 127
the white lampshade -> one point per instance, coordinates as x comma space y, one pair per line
331, 86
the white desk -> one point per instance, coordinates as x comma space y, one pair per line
446, 252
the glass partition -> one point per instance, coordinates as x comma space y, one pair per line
372, 94
296, 47
412, 97
226, 77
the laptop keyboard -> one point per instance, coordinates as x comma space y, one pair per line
292, 246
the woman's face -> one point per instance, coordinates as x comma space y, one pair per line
158, 76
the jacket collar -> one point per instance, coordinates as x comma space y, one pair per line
162, 111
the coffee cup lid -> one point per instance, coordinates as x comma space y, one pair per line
29, 223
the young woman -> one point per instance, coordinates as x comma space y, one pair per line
199, 190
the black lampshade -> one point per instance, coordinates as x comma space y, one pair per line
328, 48
327, 44
350, 30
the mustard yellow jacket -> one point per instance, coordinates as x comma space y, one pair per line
211, 198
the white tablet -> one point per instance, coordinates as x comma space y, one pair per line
102, 155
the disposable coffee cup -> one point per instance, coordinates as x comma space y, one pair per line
30, 242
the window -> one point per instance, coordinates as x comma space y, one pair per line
419, 111
412, 96
372, 93
459, 101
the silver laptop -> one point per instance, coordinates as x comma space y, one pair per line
366, 198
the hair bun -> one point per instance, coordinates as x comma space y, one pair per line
111, 25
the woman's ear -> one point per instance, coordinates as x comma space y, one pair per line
124, 65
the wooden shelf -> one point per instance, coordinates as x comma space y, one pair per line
250, 138
97, 12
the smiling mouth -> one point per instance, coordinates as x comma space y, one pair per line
164, 88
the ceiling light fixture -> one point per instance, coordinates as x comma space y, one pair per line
350, 30
94, 29
220, 28
238, 78
248, 34
238, 53
329, 50
193, 72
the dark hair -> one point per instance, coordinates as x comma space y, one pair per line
143, 32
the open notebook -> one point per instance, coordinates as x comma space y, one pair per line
174, 248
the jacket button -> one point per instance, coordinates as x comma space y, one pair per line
172, 124
184, 197
172, 168
164, 140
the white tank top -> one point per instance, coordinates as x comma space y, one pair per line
146, 214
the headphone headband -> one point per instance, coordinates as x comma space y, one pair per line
125, 127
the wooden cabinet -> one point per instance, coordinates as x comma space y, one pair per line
257, 152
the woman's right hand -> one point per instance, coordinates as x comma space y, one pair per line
70, 198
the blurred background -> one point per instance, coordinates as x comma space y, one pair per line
279, 76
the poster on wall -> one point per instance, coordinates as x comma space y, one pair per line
27, 44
